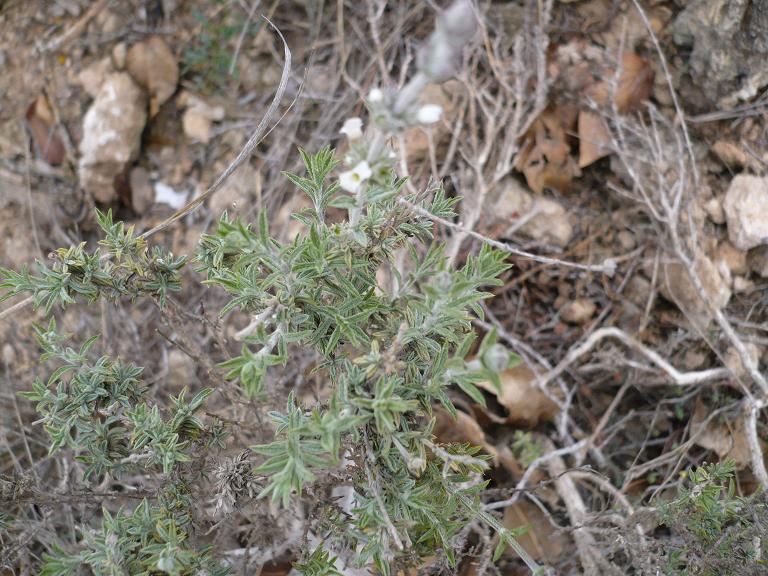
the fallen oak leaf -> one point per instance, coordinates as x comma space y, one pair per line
42, 127
634, 86
541, 539
525, 402
545, 154
593, 138
635, 83
461, 430
727, 440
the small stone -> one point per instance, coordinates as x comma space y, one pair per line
627, 240
638, 291
142, 193
119, 55
714, 209
733, 361
154, 67
9, 355
216, 113
746, 210
578, 311
111, 135
197, 126
181, 370
694, 359
742, 285
236, 193
734, 259
108, 22
199, 116
676, 286
549, 222
757, 260
92, 77
164, 194
730, 153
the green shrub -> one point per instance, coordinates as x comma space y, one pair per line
387, 351
716, 532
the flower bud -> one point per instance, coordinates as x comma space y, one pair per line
353, 128
429, 114
458, 22
444, 281
496, 358
455, 28
375, 95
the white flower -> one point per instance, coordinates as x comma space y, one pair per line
351, 179
375, 95
353, 128
429, 113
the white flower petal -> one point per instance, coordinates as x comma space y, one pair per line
352, 179
363, 170
353, 128
375, 95
429, 113
349, 181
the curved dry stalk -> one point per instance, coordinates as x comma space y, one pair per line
608, 267
679, 378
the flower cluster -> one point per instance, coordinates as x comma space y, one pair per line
393, 111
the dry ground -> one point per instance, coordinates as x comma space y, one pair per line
563, 132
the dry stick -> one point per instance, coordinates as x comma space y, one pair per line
258, 135
20, 305
28, 184
603, 422
577, 512
671, 203
608, 267
679, 378
77, 27
756, 452
753, 407
605, 484
673, 93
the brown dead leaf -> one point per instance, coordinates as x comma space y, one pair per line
154, 68
635, 82
634, 87
593, 138
542, 540
526, 404
276, 568
727, 440
42, 126
545, 155
460, 430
